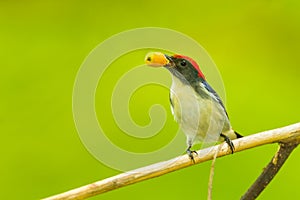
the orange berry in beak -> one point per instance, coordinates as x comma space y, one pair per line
156, 59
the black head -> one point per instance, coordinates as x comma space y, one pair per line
185, 68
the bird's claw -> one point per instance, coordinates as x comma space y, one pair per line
190, 154
229, 142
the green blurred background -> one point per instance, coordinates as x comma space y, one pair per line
255, 45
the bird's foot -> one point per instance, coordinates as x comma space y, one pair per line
228, 141
190, 153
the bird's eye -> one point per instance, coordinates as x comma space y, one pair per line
183, 63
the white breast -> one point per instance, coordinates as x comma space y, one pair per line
201, 119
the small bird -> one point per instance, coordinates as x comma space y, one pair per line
195, 105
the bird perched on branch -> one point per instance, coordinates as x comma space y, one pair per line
194, 103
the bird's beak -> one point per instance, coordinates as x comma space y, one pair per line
157, 59
170, 59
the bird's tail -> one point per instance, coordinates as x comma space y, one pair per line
238, 135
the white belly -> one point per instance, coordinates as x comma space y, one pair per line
201, 119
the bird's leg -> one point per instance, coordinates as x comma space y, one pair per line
228, 141
190, 153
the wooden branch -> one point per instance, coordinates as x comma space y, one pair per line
288, 133
269, 172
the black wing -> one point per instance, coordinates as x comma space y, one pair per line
212, 91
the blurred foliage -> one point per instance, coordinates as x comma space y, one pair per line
255, 44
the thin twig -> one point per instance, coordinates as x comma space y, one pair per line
211, 174
277, 135
285, 149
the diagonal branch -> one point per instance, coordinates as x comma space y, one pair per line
269, 172
291, 132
